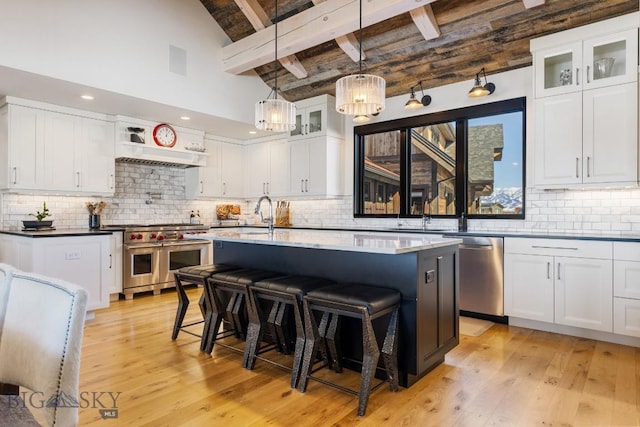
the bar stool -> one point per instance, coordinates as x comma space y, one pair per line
363, 302
237, 283
285, 293
198, 275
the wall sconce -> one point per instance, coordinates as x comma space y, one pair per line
413, 103
478, 90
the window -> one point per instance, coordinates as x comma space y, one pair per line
467, 160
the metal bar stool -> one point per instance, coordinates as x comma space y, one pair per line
285, 295
363, 302
236, 283
198, 275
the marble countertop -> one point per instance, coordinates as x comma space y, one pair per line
339, 240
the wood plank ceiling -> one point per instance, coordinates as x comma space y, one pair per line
436, 42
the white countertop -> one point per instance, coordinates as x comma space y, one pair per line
354, 241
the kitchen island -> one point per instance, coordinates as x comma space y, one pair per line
424, 268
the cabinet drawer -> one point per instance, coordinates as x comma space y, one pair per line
626, 317
559, 247
626, 251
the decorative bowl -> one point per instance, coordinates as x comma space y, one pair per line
36, 224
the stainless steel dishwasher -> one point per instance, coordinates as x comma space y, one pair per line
481, 276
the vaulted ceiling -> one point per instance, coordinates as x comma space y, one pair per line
437, 42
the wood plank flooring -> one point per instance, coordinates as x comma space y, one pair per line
508, 376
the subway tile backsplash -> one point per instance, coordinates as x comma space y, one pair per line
609, 211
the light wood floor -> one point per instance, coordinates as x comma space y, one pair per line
508, 376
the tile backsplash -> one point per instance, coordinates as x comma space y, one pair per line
156, 194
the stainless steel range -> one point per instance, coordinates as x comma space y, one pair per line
153, 252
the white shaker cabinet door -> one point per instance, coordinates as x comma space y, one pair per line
96, 153
61, 133
528, 287
584, 293
610, 135
558, 140
231, 170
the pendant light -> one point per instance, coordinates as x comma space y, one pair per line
273, 114
360, 95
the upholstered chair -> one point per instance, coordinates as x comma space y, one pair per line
42, 323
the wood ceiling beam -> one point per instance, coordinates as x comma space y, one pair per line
348, 43
426, 22
532, 3
259, 20
311, 27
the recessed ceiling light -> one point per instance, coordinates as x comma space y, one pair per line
185, 118
87, 97
252, 132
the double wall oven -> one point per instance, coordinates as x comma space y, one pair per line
152, 253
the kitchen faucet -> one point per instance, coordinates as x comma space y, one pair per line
269, 220
426, 216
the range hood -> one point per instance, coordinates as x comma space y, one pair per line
145, 154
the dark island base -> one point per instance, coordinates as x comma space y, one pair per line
427, 280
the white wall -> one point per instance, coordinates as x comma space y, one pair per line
123, 46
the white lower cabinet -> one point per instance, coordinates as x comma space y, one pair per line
528, 291
626, 288
83, 260
584, 292
566, 282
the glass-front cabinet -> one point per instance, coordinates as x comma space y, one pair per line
310, 121
595, 62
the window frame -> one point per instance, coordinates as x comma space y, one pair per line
460, 116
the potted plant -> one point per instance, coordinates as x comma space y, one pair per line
40, 216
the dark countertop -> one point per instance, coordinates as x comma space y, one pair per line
576, 235
58, 233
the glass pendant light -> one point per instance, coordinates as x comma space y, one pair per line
360, 95
273, 114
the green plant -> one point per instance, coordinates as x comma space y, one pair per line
40, 215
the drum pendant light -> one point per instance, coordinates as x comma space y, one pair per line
360, 95
273, 114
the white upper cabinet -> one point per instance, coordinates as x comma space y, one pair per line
221, 177
22, 161
594, 62
56, 151
317, 116
267, 168
95, 153
204, 181
316, 167
231, 170
586, 105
